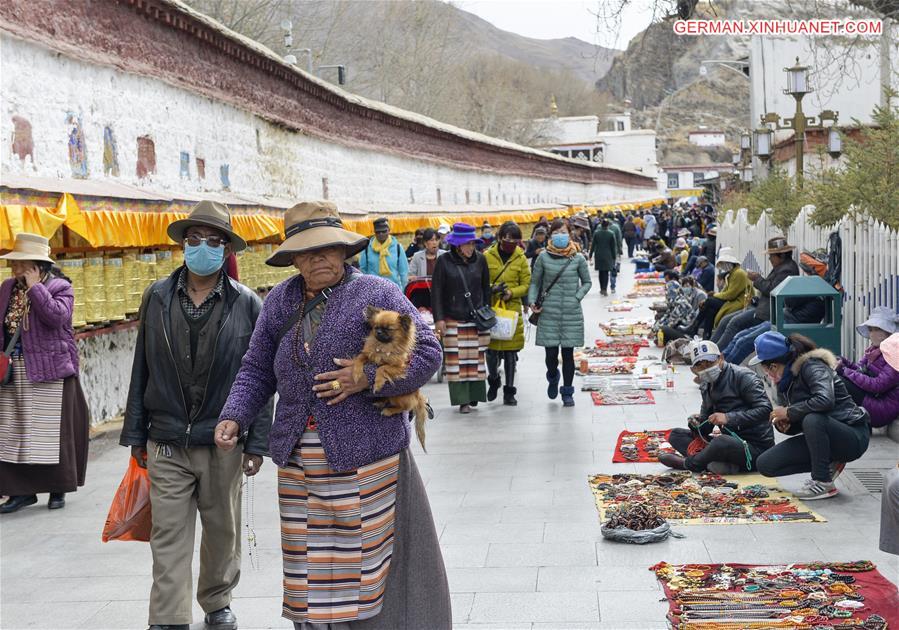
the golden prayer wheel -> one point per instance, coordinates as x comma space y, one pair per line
114, 277
74, 269
94, 290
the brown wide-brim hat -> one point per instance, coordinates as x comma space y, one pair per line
313, 225
30, 247
778, 245
208, 214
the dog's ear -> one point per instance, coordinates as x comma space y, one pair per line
405, 322
370, 313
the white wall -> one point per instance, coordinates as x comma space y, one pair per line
263, 159
631, 149
707, 139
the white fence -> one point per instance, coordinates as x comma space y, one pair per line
870, 271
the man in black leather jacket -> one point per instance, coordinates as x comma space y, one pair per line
195, 327
734, 400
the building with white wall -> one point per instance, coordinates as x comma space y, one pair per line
707, 137
686, 180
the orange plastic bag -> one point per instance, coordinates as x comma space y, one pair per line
129, 515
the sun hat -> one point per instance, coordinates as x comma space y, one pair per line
581, 222
712, 231
683, 232
700, 259
209, 214
889, 348
443, 229
881, 317
704, 351
680, 243
30, 247
312, 225
778, 245
728, 257
769, 345
463, 233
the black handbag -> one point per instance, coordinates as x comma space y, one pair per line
484, 317
534, 318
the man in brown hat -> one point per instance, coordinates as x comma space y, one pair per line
780, 257
195, 327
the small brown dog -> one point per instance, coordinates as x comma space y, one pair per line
389, 346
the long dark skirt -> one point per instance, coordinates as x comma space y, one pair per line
68, 474
417, 591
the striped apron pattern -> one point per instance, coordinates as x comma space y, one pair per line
465, 350
30, 417
337, 533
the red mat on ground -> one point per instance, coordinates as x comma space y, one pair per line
641, 440
638, 397
794, 596
612, 349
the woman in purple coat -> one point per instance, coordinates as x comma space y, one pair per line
43, 415
871, 382
358, 540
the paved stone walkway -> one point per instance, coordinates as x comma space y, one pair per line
519, 531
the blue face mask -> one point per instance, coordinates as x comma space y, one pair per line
560, 241
204, 260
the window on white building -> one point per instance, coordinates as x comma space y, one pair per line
698, 177
673, 180
620, 125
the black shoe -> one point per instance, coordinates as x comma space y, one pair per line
222, 619
57, 500
177, 626
552, 390
493, 386
14, 504
509, 396
673, 461
473, 403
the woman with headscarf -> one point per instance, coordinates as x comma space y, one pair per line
510, 277
358, 540
460, 286
560, 280
44, 419
829, 429
871, 382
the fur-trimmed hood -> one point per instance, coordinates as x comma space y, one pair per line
822, 354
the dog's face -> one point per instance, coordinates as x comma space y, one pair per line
388, 327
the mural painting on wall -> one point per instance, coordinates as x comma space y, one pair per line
77, 149
146, 157
225, 177
110, 153
201, 168
185, 165
22, 142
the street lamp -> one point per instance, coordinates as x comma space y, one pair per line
745, 141
763, 143
746, 174
798, 87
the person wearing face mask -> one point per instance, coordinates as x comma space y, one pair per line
871, 382
889, 502
560, 281
510, 277
486, 236
734, 401
734, 295
815, 407
195, 327
43, 414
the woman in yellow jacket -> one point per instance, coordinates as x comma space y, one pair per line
734, 295
510, 277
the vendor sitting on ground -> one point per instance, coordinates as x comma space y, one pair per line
734, 400
871, 382
815, 407
673, 323
665, 260
704, 273
733, 296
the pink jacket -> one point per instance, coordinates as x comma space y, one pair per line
49, 343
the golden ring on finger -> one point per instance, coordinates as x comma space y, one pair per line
335, 385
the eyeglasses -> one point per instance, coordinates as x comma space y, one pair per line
214, 242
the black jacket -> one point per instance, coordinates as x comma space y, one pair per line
156, 408
816, 388
740, 394
629, 231
447, 291
767, 284
532, 250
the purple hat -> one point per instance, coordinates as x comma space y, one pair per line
462, 233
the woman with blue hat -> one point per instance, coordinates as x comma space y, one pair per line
816, 408
461, 286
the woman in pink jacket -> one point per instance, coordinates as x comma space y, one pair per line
43, 414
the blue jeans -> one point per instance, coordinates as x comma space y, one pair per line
744, 343
732, 324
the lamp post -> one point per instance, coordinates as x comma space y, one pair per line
797, 87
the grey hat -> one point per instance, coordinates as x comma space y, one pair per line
881, 317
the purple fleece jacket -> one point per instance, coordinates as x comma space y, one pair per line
353, 433
49, 343
880, 381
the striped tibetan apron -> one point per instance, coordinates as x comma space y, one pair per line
465, 349
30, 417
337, 534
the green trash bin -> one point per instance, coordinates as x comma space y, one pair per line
825, 333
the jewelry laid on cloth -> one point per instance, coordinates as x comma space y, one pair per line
812, 597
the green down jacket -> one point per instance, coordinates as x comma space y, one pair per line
562, 319
517, 276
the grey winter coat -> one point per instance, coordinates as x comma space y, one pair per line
562, 319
